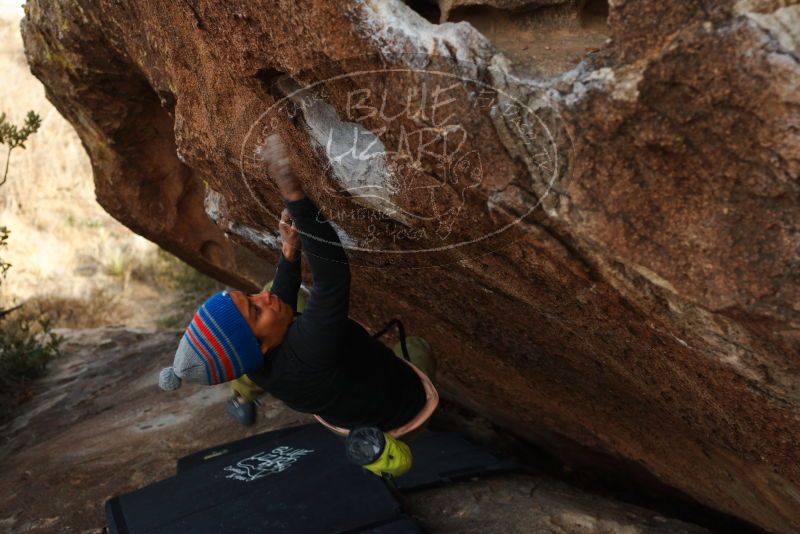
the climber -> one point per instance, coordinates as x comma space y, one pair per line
319, 361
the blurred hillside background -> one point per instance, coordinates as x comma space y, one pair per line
70, 260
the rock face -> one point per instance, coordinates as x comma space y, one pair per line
98, 426
595, 224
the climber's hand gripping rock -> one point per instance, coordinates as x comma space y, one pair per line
290, 239
273, 152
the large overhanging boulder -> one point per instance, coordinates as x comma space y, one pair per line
597, 227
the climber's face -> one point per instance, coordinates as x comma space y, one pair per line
268, 316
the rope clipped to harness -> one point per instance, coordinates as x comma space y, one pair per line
400, 330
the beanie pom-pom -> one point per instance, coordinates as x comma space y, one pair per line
168, 380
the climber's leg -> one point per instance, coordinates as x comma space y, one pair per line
420, 354
246, 389
242, 405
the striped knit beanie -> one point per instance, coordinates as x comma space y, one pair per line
218, 346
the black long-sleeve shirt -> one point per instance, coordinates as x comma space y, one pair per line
327, 363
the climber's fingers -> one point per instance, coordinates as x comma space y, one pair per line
289, 236
286, 218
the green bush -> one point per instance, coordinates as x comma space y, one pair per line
15, 136
27, 344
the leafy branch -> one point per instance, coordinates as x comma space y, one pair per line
14, 136
4, 265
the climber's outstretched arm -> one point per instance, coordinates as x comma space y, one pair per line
319, 330
287, 280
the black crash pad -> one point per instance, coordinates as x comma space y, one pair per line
441, 457
291, 480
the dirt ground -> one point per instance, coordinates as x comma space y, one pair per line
542, 41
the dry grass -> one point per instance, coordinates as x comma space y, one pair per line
100, 307
71, 260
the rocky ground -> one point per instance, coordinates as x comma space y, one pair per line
99, 426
